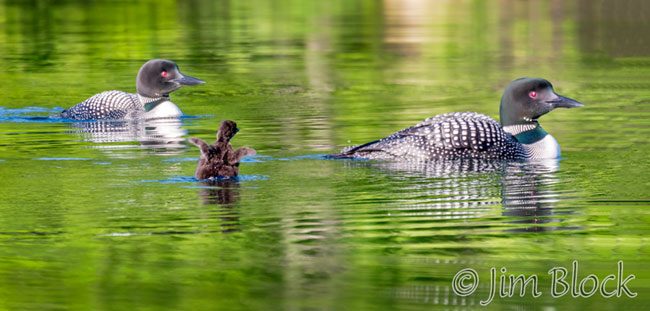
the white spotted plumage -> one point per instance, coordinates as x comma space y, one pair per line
106, 105
118, 105
457, 135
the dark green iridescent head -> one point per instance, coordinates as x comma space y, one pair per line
159, 77
527, 99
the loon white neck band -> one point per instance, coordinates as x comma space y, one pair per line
150, 103
520, 128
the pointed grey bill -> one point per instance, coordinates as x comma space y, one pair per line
565, 102
187, 80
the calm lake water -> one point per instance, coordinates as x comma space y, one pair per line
107, 216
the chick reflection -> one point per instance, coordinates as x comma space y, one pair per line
468, 188
152, 134
225, 194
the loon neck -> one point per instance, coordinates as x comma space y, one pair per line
150, 103
526, 133
536, 141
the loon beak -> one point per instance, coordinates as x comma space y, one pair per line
187, 80
565, 102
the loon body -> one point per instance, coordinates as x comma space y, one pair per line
156, 79
470, 135
220, 159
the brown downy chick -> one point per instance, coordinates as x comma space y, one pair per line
219, 159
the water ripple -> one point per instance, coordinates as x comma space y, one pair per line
31, 115
191, 179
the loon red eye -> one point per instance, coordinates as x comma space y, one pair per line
163, 74
532, 94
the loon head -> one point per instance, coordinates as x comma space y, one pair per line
227, 130
527, 99
159, 77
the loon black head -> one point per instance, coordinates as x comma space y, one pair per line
159, 77
527, 99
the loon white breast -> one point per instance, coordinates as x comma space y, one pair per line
470, 135
156, 79
166, 109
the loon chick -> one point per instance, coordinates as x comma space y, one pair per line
470, 135
156, 79
220, 159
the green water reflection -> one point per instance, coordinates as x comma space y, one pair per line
105, 220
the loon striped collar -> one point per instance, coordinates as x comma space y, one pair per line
526, 133
150, 103
516, 129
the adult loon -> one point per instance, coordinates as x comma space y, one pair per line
156, 79
470, 135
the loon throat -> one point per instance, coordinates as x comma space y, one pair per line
531, 136
536, 141
151, 103
527, 133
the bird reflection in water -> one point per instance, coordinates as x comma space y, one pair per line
224, 193
472, 188
163, 134
529, 196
